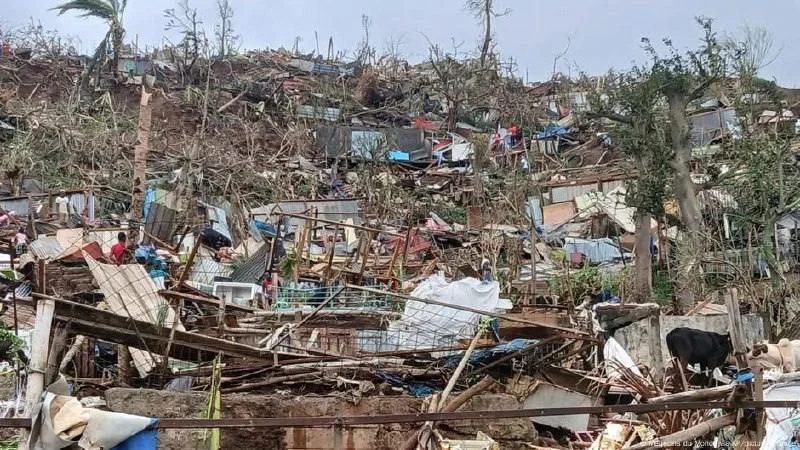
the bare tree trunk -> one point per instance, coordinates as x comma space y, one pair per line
116, 47
487, 37
686, 196
139, 168
644, 274
682, 148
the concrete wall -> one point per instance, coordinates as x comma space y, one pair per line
645, 340
510, 432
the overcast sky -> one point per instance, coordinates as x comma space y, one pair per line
602, 33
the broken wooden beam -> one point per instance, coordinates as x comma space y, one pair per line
714, 393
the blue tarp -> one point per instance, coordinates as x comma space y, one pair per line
397, 155
258, 226
417, 390
551, 132
146, 439
484, 356
149, 199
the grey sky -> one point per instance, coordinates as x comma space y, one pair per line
603, 33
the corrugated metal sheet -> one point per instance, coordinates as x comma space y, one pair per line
169, 199
46, 247
130, 292
318, 112
77, 202
334, 141
18, 205
252, 270
219, 219
205, 269
568, 193
335, 210
160, 223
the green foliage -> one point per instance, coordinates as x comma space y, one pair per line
10, 444
662, 288
287, 264
583, 282
17, 344
453, 214
634, 101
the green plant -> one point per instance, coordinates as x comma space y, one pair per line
15, 343
589, 280
662, 288
286, 265
10, 444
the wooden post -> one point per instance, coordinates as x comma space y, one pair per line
172, 331
139, 168
273, 245
758, 395
40, 343
56, 347
189, 260
533, 261
367, 245
221, 315
736, 331
328, 272
654, 345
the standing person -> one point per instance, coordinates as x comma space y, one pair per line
21, 241
118, 249
62, 204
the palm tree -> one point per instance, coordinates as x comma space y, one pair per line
108, 10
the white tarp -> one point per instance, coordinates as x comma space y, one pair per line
596, 250
779, 420
614, 354
425, 326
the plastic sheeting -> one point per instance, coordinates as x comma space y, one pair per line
596, 250
618, 358
484, 356
61, 420
424, 325
779, 420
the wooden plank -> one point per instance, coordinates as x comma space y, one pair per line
474, 218
90, 321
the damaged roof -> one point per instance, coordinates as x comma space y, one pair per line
253, 268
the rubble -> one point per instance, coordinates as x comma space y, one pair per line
369, 250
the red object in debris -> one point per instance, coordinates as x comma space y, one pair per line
576, 259
423, 124
5, 49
